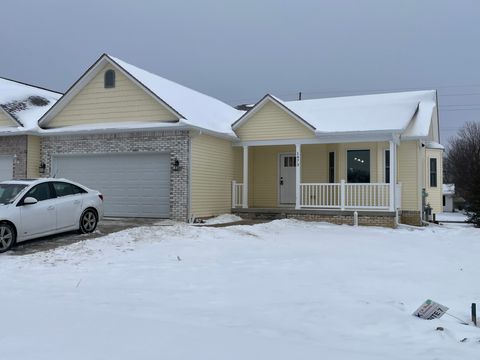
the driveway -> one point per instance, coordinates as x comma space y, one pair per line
105, 227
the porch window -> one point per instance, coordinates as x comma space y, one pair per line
331, 167
433, 172
387, 166
358, 166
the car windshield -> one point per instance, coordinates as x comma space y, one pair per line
8, 192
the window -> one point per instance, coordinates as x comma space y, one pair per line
289, 161
65, 189
8, 192
109, 80
387, 166
40, 192
331, 167
433, 172
358, 166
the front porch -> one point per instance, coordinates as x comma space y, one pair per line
317, 181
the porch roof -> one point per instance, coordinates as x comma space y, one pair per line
405, 113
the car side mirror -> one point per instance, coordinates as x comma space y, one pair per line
29, 201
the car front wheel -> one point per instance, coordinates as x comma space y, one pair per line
7, 237
88, 221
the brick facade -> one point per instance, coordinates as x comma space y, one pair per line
410, 217
383, 219
16, 146
177, 143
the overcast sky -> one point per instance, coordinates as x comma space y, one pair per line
239, 50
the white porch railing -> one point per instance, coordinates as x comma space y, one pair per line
345, 196
342, 195
237, 194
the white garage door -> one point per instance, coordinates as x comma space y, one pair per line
134, 185
6, 168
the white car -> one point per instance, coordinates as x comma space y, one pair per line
34, 208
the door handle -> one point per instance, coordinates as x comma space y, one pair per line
51, 207
76, 202
281, 180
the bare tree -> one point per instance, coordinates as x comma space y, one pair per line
462, 167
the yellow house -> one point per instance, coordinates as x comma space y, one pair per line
370, 157
159, 149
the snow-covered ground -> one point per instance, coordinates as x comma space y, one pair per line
451, 216
280, 290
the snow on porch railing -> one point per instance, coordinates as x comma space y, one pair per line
345, 196
237, 194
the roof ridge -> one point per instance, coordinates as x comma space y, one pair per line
26, 84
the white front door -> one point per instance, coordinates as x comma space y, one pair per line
288, 163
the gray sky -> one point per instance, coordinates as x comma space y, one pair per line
239, 50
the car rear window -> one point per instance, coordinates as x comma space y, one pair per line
65, 189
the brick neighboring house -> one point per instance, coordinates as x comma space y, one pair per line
21, 105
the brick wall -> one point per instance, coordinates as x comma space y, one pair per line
16, 146
410, 218
377, 219
175, 142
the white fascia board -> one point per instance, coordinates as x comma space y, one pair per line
325, 139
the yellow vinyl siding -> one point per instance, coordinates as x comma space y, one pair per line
126, 102
270, 123
435, 194
264, 167
408, 158
212, 174
33, 156
5, 120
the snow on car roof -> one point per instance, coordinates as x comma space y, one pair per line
25, 103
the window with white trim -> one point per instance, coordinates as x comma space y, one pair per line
387, 166
331, 167
433, 172
358, 166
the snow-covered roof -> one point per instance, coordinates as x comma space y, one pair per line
25, 104
189, 106
434, 145
448, 189
196, 108
408, 113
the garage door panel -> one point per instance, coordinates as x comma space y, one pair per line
133, 184
6, 168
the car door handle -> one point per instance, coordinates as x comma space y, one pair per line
76, 202
51, 207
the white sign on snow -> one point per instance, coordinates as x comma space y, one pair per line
430, 310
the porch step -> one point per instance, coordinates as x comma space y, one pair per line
269, 216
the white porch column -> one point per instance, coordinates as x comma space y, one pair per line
298, 175
245, 177
393, 174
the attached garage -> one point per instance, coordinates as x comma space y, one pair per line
134, 184
6, 168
